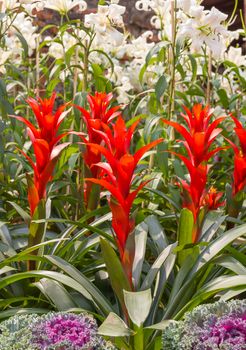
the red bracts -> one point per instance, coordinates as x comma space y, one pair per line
117, 175
199, 135
45, 138
100, 112
239, 174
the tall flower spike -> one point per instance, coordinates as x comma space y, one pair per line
100, 113
199, 134
44, 138
117, 175
239, 174
193, 191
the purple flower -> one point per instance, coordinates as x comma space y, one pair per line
64, 331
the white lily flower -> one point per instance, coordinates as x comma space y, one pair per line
236, 56
115, 13
205, 27
9, 5
63, 6
4, 55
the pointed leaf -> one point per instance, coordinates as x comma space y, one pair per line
141, 232
25, 216
56, 293
138, 305
155, 268
114, 326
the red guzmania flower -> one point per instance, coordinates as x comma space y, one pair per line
117, 175
100, 113
199, 134
44, 140
239, 174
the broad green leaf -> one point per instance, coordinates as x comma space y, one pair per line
21, 311
95, 294
161, 325
37, 230
6, 269
223, 98
115, 270
161, 283
141, 232
211, 288
232, 293
155, 268
185, 291
25, 216
59, 277
161, 87
218, 245
210, 227
157, 233
56, 293
231, 263
114, 326
26, 253
138, 305
180, 277
193, 67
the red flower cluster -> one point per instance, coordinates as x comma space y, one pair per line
199, 136
239, 174
100, 113
117, 175
44, 139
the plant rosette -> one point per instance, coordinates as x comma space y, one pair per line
53, 331
221, 325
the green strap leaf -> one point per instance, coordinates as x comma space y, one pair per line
115, 270
94, 293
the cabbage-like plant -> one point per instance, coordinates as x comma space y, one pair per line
52, 331
221, 325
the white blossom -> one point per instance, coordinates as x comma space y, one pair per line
4, 55
9, 5
57, 49
235, 55
23, 25
103, 23
206, 27
63, 6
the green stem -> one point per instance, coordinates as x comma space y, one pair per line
138, 338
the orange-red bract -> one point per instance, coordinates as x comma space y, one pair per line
45, 138
239, 174
199, 135
117, 175
99, 113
